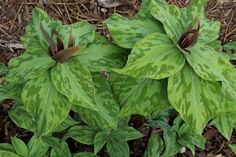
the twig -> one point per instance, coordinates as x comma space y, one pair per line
16, 17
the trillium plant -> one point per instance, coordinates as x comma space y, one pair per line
73, 84
176, 49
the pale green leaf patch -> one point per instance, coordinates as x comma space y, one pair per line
4, 153
196, 100
74, 81
28, 66
139, 96
154, 57
47, 106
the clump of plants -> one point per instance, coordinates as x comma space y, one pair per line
73, 84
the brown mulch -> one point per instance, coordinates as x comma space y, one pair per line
15, 14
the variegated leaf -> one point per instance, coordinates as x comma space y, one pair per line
47, 106
19, 146
62, 150
37, 147
82, 31
100, 140
117, 148
74, 81
211, 65
196, 100
139, 96
107, 115
169, 16
102, 55
22, 118
4, 153
33, 40
154, 57
155, 146
126, 32
28, 66
126, 134
82, 133
209, 31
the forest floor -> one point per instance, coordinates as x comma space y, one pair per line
15, 14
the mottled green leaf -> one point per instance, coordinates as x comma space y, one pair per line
28, 66
154, 57
4, 153
210, 65
108, 109
100, 140
47, 106
61, 151
126, 134
82, 31
75, 82
209, 31
117, 148
101, 55
196, 100
85, 154
139, 96
3, 68
126, 32
68, 122
189, 138
37, 147
169, 16
11, 91
230, 46
82, 133
155, 146
22, 118
19, 146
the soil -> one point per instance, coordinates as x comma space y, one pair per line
15, 14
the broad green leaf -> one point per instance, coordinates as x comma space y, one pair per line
68, 122
74, 81
139, 96
47, 106
225, 123
117, 148
37, 147
196, 100
169, 16
28, 66
19, 146
154, 57
61, 151
105, 100
11, 91
82, 133
101, 55
85, 154
126, 32
100, 140
4, 153
209, 31
22, 118
230, 46
155, 146
233, 148
108, 109
210, 65
126, 134
82, 31
33, 40
172, 146
51, 141
189, 138
6, 147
